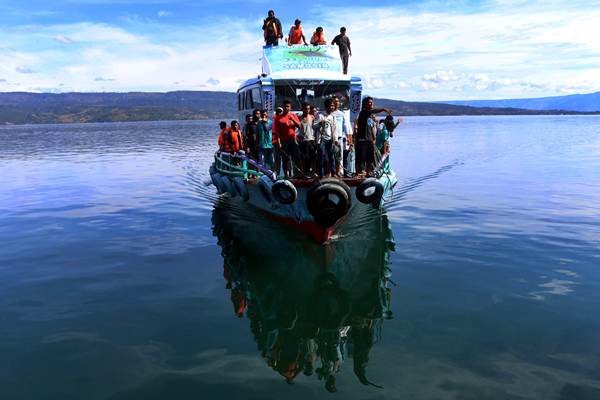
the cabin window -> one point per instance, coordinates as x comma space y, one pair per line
240, 101
256, 100
248, 100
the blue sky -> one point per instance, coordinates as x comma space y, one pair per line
426, 50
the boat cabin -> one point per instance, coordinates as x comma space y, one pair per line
300, 74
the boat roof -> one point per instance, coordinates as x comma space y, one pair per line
306, 62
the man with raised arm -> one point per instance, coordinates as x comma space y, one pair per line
365, 136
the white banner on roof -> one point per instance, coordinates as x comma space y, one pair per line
303, 62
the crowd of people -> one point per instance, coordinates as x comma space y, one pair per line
273, 33
313, 143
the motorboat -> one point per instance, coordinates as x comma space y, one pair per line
316, 206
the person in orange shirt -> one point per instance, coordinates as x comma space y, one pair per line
296, 35
221, 140
285, 128
230, 140
318, 37
235, 137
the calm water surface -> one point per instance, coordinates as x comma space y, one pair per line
122, 277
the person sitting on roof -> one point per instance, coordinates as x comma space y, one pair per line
318, 37
272, 29
296, 35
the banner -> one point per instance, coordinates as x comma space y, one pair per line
301, 61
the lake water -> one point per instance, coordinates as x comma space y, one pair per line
114, 263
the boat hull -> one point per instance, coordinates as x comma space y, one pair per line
297, 215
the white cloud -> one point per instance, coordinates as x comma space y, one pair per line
503, 51
163, 13
63, 39
24, 70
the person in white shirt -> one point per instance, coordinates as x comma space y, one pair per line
344, 135
327, 126
307, 141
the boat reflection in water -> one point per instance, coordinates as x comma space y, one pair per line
312, 308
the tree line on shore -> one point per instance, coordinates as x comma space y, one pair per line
40, 108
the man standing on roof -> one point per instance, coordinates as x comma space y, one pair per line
343, 43
272, 29
296, 35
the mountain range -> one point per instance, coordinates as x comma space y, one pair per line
575, 102
32, 108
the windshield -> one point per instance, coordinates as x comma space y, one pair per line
314, 93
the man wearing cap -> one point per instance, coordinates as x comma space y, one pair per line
343, 43
272, 29
296, 35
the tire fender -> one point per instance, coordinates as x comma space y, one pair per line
284, 192
328, 202
370, 191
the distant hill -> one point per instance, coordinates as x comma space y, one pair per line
576, 102
31, 108
38, 108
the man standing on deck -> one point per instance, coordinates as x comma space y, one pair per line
365, 137
343, 43
285, 127
272, 29
344, 136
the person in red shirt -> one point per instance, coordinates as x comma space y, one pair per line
296, 35
235, 136
285, 128
318, 37
230, 140
221, 140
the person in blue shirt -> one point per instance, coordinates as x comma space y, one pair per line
382, 141
265, 140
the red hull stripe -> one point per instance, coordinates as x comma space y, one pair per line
311, 228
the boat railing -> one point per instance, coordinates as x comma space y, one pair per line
237, 164
383, 166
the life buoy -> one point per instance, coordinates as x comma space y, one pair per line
369, 191
227, 186
241, 188
328, 201
264, 187
284, 192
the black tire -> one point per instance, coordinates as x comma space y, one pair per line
264, 187
328, 202
241, 189
284, 192
369, 191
